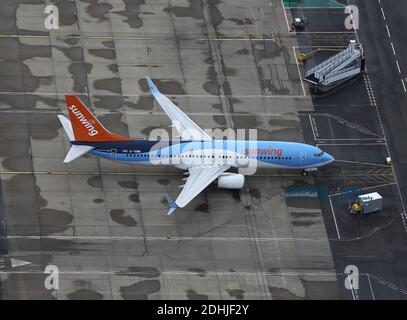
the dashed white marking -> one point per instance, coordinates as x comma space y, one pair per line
388, 284
398, 66
369, 90
384, 17
392, 47
388, 31
404, 218
403, 214
404, 85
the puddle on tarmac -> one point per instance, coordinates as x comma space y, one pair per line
85, 294
119, 216
140, 290
98, 10
283, 294
236, 293
193, 295
132, 12
109, 84
143, 272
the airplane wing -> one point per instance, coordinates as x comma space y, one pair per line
199, 178
188, 129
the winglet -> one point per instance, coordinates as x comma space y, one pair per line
172, 205
152, 86
67, 127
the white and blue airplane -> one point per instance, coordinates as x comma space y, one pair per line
205, 159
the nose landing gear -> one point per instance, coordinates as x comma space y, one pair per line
306, 171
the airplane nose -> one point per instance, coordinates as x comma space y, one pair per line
328, 158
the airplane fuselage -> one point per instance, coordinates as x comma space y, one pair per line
205, 159
236, 153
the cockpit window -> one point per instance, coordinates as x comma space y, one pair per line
318, 155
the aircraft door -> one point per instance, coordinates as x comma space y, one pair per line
113, 153
303, 159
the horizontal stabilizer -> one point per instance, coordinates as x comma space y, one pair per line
67, 127
76, 151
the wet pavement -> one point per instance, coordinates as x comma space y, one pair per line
357, 124
103, 224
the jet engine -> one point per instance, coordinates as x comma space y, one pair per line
231, 181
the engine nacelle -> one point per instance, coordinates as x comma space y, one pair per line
231, 181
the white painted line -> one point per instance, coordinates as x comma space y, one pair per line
299, 72
351, 287
170, 174
387, 147
336, 47
370, 285
351, 139
285, 15
160, 238
333, 215
398, 66
351, 144
384, 17
366, 188
365, 163
392, 47
264, 114
389, 284
180, 273
388, 31
323, 32
379, 186
129, 94
312, 127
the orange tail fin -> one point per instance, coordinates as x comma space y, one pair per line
84, 124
